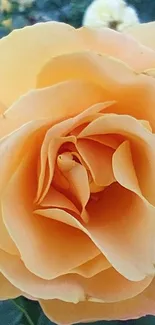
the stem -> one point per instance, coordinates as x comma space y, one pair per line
24, 312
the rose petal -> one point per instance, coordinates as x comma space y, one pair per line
107, 285
118, 81
49, 151
6, 243
40, 42
67, 314
47, 103
100, 168
55, 137
37, 238
120, 46
124, 169
35, 286
15, 145
92, 267
79, 186
7, 290
124, 231
110, 140
142, 142
110, 286
56, 199
89, 66
144, 33
62, 216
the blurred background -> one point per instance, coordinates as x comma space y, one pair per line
19, 13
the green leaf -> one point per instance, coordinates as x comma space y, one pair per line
19, 311
30, 309
43, 320
9, 314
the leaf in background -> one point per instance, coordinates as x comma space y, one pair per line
31, 309
43, 320
19, 311
9, 314
19, 21
15, 312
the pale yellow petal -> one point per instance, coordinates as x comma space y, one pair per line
55, 103
120, 46
7, 290
134, 92
142, 142
144, 33
67, 314
123, 229
98, 159
47, 247
24, 52
92, 267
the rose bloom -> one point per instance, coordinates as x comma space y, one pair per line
77, 171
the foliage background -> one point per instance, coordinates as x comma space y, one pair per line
15, 15
69, 11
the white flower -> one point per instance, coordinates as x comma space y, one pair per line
25, 4
110, 13
5, 5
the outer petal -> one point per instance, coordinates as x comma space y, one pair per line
120, 46
35, 286
55, 103
67, 313
14, 146
108, 285
24, 52
144, 33
6, 243
134, 92
92, 267
7, 290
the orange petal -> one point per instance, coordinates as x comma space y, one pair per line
15, 145
122, 225
25, 51
107, 285
144, 33
49, 150
117, 79
6, 243
52, 141
47, 103
60, 215
124, 169
92, 267
39, 238
142, 142
98, 159
110, 286
36, 287
120, 46
67, 314
56, 199
7, 290
89, 66
79, 186
110, 140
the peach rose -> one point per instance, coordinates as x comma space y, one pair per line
77, 171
